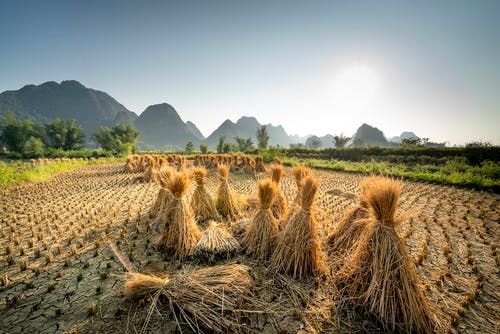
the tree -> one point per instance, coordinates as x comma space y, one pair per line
313, 142
119, 139
244, 144
220, 145
262, 137
15, 133
226, 148
189, 147
33, 146
341, 140
61, 134
203, 148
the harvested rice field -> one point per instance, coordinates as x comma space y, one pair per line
67, 243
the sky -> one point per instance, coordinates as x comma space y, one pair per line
315, 67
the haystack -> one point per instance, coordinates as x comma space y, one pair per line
181, 233
298, 251
353, 223
280, 204
161, 205
259, 165
206, 299
299, 173
261, 236
380, 275
201, 202
216, 243
226, 203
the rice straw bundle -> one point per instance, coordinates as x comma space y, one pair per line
216, 242
278, 161
380, 275
205, 299
262, 234
201, 202
181, 233
298, 251
259, 165
161, 205
299, 173
280, 203
353, 223
226, 203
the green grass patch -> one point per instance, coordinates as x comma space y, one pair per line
483, 177
15, 171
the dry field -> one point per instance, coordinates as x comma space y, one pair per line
59, 273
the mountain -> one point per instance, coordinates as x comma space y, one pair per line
162, 128
404, 135
195, 131
67, 100
367, 135
246, 127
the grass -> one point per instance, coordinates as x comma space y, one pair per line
483, 177
15, 171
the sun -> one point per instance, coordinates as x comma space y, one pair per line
355, 87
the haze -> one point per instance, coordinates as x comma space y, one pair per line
315, 67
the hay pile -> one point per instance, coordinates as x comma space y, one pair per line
261, 235
298, 251
280, 203
204, 299
380, 276
201, 202
353, 223
181, 233
299, 173
163, 199
216, 243
259, 165
226, 203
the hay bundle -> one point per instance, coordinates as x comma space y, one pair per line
181, 233
299, 173
201, 202
226, 203
261, 235
380, 275
208, 297
215, 243
353, 223
280, 203
161, 205
259, 165
298, 251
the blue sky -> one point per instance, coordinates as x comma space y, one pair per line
432, 67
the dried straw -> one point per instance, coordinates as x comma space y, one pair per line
262, 234
226, 203
181, 234
205, 299
216, 242
298, 251
299, 173
201, 202
280, 204
380, 275
259, 165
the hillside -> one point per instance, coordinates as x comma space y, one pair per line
67, 100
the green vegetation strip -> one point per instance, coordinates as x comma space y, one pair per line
12, 172
483, 177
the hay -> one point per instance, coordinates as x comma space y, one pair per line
216, 243
380, 276
353, 223
298, 251
298, 173
205, 299
280, 204
181, 233
201, 202
259, 165
226, 203
262, 234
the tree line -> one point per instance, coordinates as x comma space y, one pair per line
26, 138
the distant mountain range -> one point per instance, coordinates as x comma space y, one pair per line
160, 125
